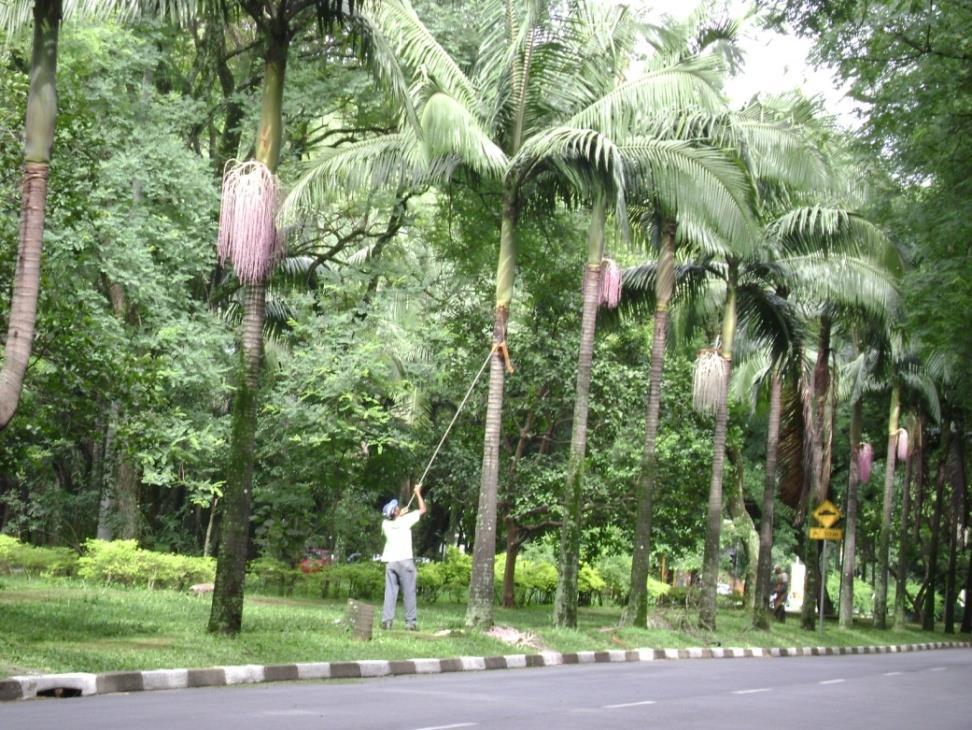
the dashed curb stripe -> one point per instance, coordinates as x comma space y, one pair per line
84, 683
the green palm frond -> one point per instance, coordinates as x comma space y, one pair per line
418, 48
750, 369
388, 161
673, 87
706, 189
568, 144
769, 321
778, 152
844, 280
835, 231
450, 129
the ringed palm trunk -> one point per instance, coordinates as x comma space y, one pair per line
928, 611
821, 427
39, 139
636, 610
887, 507
565, 603
846, 612
226, 616
901, 582
479, 611
713, 526
765, 562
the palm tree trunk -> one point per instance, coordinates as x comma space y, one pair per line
846, 613
479, 610
820, 428
226, 615
887, 507
901, 584
928, 613
39, 128
761, 595
636, 610
565, 603
713, 530
957, 481
744, 526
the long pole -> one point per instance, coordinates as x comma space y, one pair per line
823, 586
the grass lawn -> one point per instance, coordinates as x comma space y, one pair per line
67, 626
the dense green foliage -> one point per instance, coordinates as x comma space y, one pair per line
378, 319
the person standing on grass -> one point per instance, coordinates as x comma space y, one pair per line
398, 559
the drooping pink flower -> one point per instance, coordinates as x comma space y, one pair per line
248, 235
610, 284
902, 444
865, 459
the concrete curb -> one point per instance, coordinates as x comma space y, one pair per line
84, 684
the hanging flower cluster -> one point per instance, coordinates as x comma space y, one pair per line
865, 460
902, 444
708, 380
248, 235
610, 284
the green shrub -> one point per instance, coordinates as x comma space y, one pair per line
679, 597
590, 586
616, 572
48, 561
269, 574
123, 562
657, 590
363, 581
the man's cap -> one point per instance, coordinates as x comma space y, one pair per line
389, 509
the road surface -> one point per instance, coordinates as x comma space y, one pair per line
928, 689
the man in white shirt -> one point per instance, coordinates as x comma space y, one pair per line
399, 561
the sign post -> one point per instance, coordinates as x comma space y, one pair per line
826, 516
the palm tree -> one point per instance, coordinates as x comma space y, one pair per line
528, 120
250, 239
46, 17
909, 378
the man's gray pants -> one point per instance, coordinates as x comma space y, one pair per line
400, 574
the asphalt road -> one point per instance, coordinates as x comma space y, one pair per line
927, 690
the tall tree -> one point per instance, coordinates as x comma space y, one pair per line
249, 238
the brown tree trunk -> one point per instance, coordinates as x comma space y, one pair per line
957, 481
479, 611
743, 523
928, 612
39, 138
565, 602
636, 610
901, 584
713, 523
765, 565
846, 613
887, 508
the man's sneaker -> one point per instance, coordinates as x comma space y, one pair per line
411, 627
386, 625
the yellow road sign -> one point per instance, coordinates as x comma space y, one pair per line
826, 514
826, 533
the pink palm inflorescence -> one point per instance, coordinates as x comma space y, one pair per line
865, 459
610, 284
902, 444
248, 235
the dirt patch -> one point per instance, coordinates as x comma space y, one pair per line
514, 637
